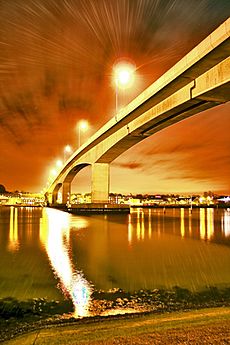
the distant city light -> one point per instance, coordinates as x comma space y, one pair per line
225, 199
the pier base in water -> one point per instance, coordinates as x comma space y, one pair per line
96, 208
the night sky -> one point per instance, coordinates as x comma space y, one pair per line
56, 60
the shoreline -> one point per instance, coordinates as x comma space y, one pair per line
219, 206
23, 317
182, 206
138, 327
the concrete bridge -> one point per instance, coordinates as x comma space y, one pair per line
199, 81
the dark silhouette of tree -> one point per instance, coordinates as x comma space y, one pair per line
2, 189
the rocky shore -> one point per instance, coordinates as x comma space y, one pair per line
18, 317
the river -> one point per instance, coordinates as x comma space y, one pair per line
47, 253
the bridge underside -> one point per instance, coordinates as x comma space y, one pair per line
207, 91
100, 179
202, 86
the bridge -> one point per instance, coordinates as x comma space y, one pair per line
199, 81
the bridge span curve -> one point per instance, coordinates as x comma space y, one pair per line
199, 81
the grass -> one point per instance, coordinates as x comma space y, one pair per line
128, 327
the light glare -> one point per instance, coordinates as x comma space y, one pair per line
124, 74
59, 163
83, 125
68, 149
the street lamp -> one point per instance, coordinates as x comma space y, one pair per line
53, 172
82, 126
59, 164
123, 76
67, 150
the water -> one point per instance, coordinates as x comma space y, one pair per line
46, 253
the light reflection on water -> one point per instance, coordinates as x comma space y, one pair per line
202, 224
146, 249
55, 235
206, 222
182, 228
226, 223
13, 233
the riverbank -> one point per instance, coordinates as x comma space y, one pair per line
165, 206
206, 326
19, 317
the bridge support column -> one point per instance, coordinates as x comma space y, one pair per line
55, 193
54, 197
100, 182
48, 198
66, 191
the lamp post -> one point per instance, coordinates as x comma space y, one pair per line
123, 76
82, 126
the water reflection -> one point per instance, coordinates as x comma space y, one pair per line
130, 229
199, 223
13, 231
190, 222
148, 249
226, 222
182, 229
150, 225
210, 223
55, 234
138, 224
202, 223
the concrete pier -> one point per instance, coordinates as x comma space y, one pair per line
94, 208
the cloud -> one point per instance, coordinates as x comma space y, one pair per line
129, 165
55, 69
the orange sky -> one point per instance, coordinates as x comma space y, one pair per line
56, 61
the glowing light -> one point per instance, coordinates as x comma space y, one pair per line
53, 172
210, 222
130, 230
190, 222
55, 237
43, 230
150, 224
68, 149
124, 74
182, 228
82, 127
80, 294
226, 222
202, 223
138, 225
59, 163
225, 199
142, 226
13, 233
